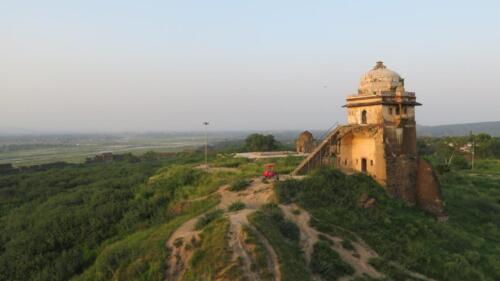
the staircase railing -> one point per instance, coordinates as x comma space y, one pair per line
312, 158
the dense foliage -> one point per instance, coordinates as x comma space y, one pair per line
458, 152
283, 235
259, 142
464, 248
54, 223
327, 263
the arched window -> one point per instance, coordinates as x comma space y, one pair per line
363, 117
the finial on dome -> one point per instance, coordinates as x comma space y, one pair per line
380, 64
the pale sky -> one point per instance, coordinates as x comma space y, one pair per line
169, 65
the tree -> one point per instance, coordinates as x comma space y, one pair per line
259, 142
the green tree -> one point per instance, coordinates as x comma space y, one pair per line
259, 142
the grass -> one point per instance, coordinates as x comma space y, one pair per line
327, 263
259, 253
214, 255
236, 206
464, 248
207, 218
284, 238
347, 244
239, 185
141, 255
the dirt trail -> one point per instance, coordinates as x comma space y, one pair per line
253, 197
256, 195
273, 263
237, 220
179, 253
309, 236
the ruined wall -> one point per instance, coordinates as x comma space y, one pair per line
429, 196
401, 160
305, 142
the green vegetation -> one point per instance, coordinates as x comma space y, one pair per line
456, 152
213, 256
207, 218
284, 236
107, 219
464, 248
236, 206
347, 244
141, 255
239, 185
259, 252
327, 263
258, 142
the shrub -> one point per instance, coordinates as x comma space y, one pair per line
291, 258
207, 218
327, 263
442, 169
460, 163
239, 185
347, 244
287, 191
236, 206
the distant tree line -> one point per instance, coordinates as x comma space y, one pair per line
259, 142
459, 152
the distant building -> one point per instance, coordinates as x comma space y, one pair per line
305, 142
380, 140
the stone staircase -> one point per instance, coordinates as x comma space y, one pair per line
321, 155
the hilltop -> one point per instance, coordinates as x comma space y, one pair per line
169, 217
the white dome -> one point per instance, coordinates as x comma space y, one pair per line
379, 79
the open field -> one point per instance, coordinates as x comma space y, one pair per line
31, 150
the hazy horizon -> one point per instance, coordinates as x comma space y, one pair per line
124, 66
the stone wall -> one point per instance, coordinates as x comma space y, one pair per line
429, 196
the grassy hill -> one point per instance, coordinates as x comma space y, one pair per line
112, 221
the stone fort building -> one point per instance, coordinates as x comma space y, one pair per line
305, 142
380, 140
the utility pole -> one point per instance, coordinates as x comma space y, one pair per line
473, 150
205, 124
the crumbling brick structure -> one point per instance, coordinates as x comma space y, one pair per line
305, 142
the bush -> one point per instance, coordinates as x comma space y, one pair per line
236, 206
270, 222
327, 263
459, 163
347, 244
287, 191
207, 218
442, 169
239, 185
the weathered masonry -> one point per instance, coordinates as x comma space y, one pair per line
380, 140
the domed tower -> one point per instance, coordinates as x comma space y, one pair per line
380, 140
382, 136
305, 142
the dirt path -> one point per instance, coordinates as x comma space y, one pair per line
256, 195
179, 253
253, 197
236, 242
358, 258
